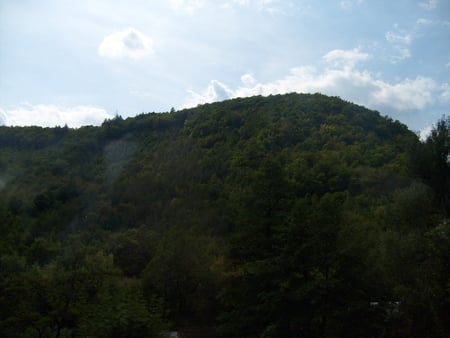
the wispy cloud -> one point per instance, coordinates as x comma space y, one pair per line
188, 6
404, 39
52, 115
429, 5
347, 4
129, 43
273, 7
423, 21
400, 42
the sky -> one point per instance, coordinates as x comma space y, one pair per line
81, 62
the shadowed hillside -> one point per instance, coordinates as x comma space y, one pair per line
283, 216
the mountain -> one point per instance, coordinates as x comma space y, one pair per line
281, 216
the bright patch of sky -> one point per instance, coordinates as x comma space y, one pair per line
79, 62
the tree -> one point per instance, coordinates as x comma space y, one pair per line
134, 250
438, 147
181, 273
121, 311
47, 300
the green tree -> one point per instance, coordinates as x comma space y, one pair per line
437, 152
46, 301
181, 273
121, 311
134, 249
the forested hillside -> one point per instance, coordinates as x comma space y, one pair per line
283, 216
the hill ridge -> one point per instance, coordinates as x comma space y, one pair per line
271, 216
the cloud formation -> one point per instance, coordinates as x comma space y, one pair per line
345, 58
400, 43
248, 80
52, 115
423, 21
189, 6
347, 4
272, 7
2, 117
405, 95
129, 43
340, 77
445, 94
429, 5
216, 91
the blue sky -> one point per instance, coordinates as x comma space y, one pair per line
79, 62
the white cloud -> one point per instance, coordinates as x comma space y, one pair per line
230, 3
216, 91
2, 117
405, 95
401, 43
248, 80
425, 132
272, 7
129, 43
398, 38
53, 115
343, 82
423, 21
445, 93
359, 86
429, 5
189, 6
345, 58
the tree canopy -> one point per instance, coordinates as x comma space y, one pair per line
296, 215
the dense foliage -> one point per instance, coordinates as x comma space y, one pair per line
280, 216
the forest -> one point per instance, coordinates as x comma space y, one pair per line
297, 215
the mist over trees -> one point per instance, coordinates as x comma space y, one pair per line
284, 216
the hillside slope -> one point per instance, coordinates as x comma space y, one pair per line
280, 216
